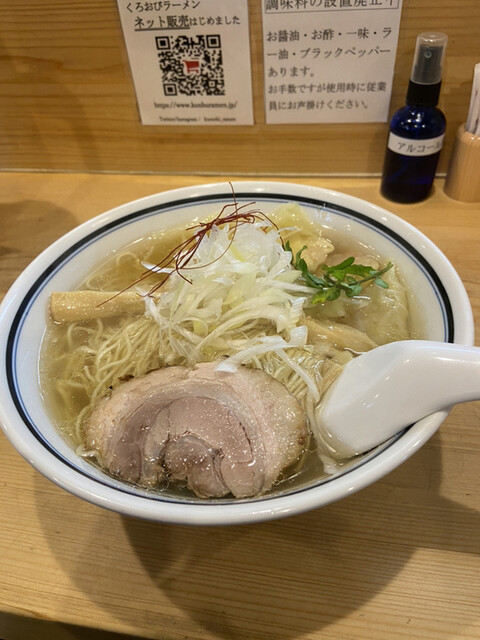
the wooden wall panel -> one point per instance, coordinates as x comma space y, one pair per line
67, 100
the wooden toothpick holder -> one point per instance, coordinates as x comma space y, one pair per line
463, 175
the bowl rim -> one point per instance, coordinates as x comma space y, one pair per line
247, 511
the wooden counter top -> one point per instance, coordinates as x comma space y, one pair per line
399, 560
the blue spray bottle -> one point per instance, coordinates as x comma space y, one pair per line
417, 130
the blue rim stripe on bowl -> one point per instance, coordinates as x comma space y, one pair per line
47, 274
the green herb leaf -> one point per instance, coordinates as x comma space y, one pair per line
347, 276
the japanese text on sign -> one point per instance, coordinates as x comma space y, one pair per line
190, 60
329, 60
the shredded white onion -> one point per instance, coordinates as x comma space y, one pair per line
239, 297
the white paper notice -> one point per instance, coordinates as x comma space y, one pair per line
190, 60
329, 60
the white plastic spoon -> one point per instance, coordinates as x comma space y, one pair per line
384, 390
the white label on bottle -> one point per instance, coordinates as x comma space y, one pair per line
409, 147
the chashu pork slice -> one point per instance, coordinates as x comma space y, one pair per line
220, 432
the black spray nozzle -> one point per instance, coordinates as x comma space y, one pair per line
428, 61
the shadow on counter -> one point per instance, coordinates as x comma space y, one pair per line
27, 227
19, 628
281, 579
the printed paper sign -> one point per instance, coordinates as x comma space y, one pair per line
329, 60
190, 60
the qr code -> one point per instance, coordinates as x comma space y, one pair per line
191, 66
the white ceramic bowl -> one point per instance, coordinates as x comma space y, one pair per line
441, 297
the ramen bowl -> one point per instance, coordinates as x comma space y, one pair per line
441, 304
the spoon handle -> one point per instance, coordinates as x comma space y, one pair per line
390, 387
448, 373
